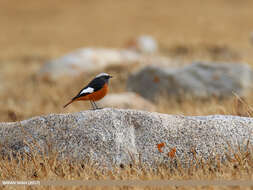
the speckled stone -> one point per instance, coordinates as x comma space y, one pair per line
114, 136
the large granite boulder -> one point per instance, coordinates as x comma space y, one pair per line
200, 80
116, 136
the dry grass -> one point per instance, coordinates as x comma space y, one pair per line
36, 31
48, 167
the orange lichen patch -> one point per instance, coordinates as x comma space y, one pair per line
216, 77
172, 153
156, 79
159, 147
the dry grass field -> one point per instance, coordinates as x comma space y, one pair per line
35, 167
32, 32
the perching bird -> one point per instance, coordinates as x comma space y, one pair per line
94, 91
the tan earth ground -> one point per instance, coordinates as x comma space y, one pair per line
32, 32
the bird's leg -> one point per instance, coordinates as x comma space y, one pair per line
93, 107
96, 105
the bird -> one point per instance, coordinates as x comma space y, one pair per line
94, 91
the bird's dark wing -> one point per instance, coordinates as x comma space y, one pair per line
96, 84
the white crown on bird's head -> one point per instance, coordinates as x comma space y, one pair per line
102, 75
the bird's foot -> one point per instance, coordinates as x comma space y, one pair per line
98, 108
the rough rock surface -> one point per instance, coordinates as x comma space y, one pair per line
127, 100
109, 136
200, 79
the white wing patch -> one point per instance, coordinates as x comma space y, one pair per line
87, 90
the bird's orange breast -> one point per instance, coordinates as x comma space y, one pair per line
95, 96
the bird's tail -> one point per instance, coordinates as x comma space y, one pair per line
68, 103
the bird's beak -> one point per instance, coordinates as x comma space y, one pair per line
111, 76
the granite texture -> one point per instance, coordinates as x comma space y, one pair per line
117, 136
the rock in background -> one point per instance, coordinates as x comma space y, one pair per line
115, 136
127, 100
141, 50
144, 44
86, 60
200, 80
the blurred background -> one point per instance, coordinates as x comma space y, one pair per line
46, 55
